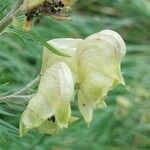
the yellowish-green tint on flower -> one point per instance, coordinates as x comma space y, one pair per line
37, 112
48, 127
57, 87
64, 45
52, 99
106, 52
94, 65
93, 91
99, 59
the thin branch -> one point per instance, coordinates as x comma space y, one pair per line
15, 98
31, 85
20, 95
8, 18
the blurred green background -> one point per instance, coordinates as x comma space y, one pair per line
125, 123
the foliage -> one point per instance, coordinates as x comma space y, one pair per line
125, 124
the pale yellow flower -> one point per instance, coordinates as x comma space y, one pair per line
94, 66
99, 59
65, 45
53, 99
68, 3
102, 52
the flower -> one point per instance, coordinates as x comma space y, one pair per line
94, 65
53, 99
99, 59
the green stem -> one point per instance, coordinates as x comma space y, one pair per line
15, 98
31, 85
8, 18
20, 95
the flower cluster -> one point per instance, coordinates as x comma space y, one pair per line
94, 65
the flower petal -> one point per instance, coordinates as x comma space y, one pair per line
96, 85
112, 37
85, 108
38, 110
115, 36
96, 53
93, 90
48, 127
57, 88
65, 45
51, 127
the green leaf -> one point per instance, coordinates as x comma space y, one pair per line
7, 113
25, 36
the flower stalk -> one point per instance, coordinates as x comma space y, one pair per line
21, 94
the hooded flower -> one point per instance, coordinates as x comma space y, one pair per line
51, 105
102, 52
99, 59
95, 66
